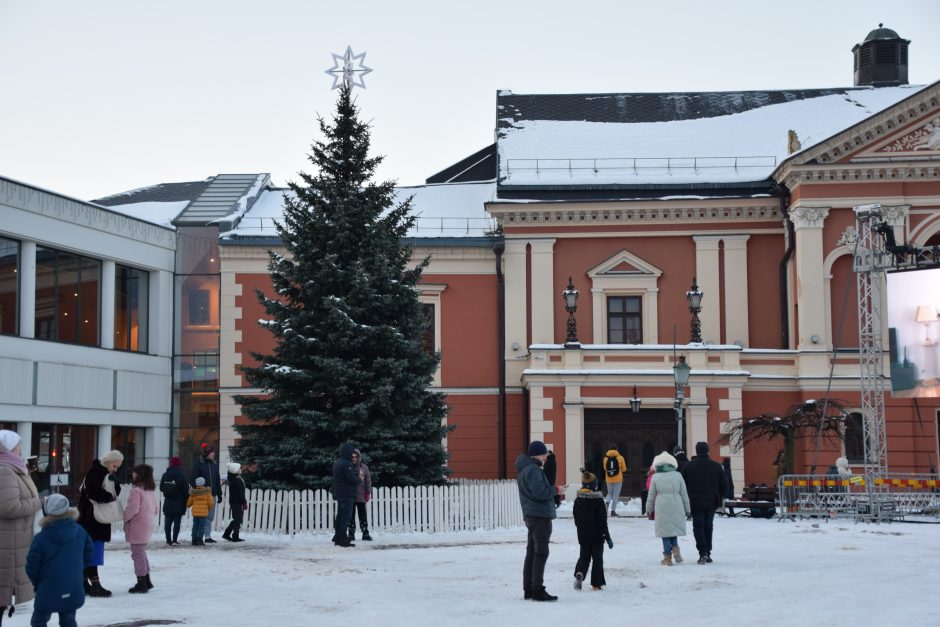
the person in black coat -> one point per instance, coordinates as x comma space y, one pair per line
207, 468
705, 481
175, 491
236, 501
551, 473
345, 481
99, 486
729, 482
590, 519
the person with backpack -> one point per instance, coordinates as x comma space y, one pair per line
614, 467
175, 491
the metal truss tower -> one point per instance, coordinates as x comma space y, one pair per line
870, 262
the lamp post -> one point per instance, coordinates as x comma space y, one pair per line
635, 402
694, 296
680, 373
570, 296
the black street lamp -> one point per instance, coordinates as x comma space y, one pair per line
694, 296
635, 402
570, 296
680, 373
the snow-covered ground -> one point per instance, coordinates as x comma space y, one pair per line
765, 573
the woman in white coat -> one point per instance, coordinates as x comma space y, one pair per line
668, 505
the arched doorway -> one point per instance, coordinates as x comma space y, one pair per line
640, 437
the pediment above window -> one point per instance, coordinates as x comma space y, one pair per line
623, 264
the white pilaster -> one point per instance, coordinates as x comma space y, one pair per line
160, 313
543, 291
514, 271
735, 270
811, 308
25, 431
574, 440
107, 304
104, 439
706, 273
27, 272
157, 448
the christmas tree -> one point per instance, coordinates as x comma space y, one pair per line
348, 363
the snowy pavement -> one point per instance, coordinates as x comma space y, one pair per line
765, 572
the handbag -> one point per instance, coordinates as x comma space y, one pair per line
110, 512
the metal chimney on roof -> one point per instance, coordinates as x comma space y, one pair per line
881, 60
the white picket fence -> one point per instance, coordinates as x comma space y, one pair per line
463, 506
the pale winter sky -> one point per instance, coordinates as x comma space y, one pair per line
105, 96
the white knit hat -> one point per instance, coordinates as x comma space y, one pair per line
9, 439
112, 456
55, 505
234, 468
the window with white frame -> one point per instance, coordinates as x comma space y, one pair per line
625, 294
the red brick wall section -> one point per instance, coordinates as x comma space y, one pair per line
254, 337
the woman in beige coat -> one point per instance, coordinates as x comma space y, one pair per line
19, 502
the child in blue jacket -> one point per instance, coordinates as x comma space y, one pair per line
55, 563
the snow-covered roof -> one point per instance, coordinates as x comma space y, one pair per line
443, 211
161, 213
643, 139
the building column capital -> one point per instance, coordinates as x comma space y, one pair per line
809, 217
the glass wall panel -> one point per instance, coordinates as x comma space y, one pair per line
131, 297
64, 454
130, 441
9, 285
196, 418
66, 297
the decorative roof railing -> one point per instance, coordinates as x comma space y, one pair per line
423, 226
640, 163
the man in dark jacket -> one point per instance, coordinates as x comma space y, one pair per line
175, 492
705, 481
207, 468
345, 481
537, 497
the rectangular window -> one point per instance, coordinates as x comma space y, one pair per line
854, 438
427, 338
66, 297
9, 285
624, 320
131, 297
198, 309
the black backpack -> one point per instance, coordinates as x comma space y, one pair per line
612, 467
170, 489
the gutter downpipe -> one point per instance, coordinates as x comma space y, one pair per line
499, 246
784, 195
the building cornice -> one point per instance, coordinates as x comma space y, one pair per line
862, 173
58, 207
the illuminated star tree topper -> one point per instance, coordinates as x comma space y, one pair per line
345, 69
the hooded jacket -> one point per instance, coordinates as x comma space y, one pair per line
200, 499
536, 494
345, 479
705, 481
208, 470
668, 498
140, 515
19, 501
590, 517
174, 504
621, 464
57, 557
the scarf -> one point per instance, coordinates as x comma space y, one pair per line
14, 461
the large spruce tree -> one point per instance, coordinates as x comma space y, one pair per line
348, 364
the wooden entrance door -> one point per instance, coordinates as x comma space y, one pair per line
640, 438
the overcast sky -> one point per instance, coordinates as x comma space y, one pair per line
103, 96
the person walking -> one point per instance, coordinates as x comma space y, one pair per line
140, 517
55, 563
590, 519
681, 458
345, 483
19, 502
175, 491
644, 495
614, 467
201, 500
99, 486
207, 468
537, 497
236, 501
705, 481
668, 504
363, 495
729, 481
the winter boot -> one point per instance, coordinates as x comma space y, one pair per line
198, 542
578, 578
541, 594
87, 585
149, 583
141, 587
701, 559
97, 590
227, 535
676, 555
667, 559
235, 536
365, 535
708, 558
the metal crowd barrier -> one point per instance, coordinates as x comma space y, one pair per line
881, 498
